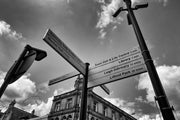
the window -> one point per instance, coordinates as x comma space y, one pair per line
64, 118
79, 101
57, 106
69, 117
121, 117
57, 118
92, 118
113, 115
105, 111
69, 103
95, 106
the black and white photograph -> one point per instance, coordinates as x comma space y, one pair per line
89, 60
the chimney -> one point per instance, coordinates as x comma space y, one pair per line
12, 103
33, 112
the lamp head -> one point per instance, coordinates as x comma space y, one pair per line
40, 54
24, 62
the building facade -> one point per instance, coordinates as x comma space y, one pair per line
67, 106
45, 117
13, 113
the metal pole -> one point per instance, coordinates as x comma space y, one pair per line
3, 88
84, 95
161, 97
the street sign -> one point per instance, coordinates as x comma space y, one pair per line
60, 47
105, 88
71, 75
64, 77
124, 65
115, 68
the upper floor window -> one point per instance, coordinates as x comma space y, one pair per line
63, 118
105, 111
69, 103
79, 101
57, 118
57, 106
92, 118
95, 106
122, 117
69, 117
113, 115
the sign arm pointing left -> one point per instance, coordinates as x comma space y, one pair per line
61, 48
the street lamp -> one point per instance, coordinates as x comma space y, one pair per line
21, 65
161, 97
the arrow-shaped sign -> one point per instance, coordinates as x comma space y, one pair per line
60, 47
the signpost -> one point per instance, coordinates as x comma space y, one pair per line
114, 68
59, 46
118, 67
71, 75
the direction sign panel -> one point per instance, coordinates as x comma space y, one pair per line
71, 75
64, 77
59, 46
118, 67
115, 68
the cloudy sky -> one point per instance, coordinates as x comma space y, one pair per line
88, 28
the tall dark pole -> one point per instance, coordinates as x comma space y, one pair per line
3, 88
161, 97
84, 95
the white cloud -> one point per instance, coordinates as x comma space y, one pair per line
19, 90
122, 104
61, 91
150, 117
42, 108
170, 78
140, 99
43, 88
24, 91
105, 16
102, 34
5, 29
108, 9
